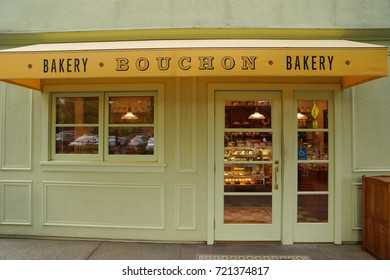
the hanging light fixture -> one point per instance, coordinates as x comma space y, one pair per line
256, 115
129, 115
301, 116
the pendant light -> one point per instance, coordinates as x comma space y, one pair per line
256, 115
129, 116
301, 116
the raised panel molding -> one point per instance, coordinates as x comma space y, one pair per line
139, 206
357, 190
186, 153
185, 207
16, 202
15, 127
378, 149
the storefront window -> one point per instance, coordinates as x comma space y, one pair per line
131, 125
104, 126
77, 125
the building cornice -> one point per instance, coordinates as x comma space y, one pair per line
362, 34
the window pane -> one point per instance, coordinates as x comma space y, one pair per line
248, 114
248, 177
77, 140
131, 110
312, 209
312, 177
77, 110
248, 146
312, 114
312, 145
131, 140
248, 210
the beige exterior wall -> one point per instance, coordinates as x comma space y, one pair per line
43, 15
366, 130
120, 205
32, 200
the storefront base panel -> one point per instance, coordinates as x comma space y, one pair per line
86, 210
93, 205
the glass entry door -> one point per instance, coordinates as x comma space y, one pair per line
248, 191
314, 220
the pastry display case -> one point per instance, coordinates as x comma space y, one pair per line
248, 177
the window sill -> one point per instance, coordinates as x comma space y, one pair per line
90, 166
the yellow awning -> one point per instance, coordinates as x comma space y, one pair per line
354, 63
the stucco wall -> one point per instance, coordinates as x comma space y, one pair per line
70, 15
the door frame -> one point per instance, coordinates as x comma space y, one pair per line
288, 109
268, 231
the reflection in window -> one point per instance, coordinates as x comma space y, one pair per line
77, 110
248, 209
312, 209
312, 177
77, 121
77, 140
131, 140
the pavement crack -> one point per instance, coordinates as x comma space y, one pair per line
93, 252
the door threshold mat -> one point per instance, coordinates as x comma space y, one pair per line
249, 257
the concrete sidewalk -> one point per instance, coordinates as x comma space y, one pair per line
42, 249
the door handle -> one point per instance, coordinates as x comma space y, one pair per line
276, 177
276, 185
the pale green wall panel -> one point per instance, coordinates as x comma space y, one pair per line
15, 127
49, 15
103, 205
185, 211
186, 121
15, 203
371, 127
